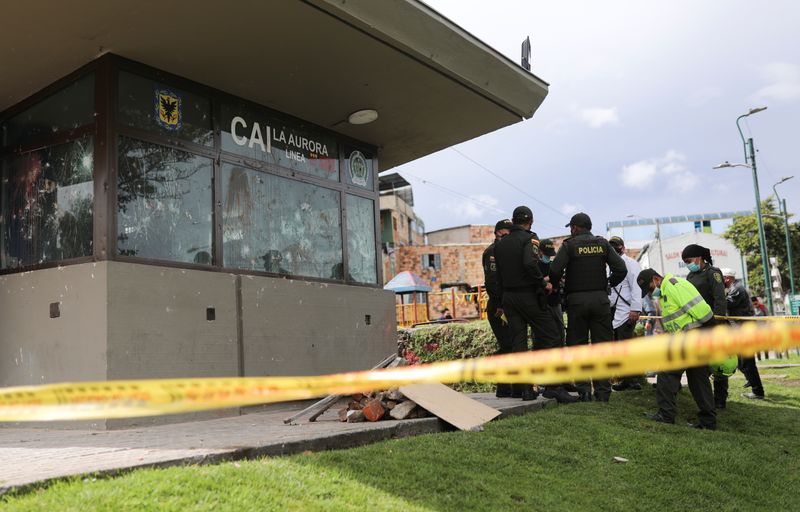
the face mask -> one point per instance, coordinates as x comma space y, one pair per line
657, 293
545, 259
693, 267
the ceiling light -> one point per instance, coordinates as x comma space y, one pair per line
362, 116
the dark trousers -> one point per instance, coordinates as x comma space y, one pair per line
621, 333
667, 387
720, 390
529, 308
750, 371
559, 316
590, 312
501, 330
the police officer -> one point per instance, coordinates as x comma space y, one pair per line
709, 282
525, 296
547, 250
584, 257
494, 307
740, 304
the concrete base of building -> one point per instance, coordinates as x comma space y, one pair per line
116, 321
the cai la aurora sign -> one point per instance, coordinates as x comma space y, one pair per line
263, 136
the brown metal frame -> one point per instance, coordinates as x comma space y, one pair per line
107, 131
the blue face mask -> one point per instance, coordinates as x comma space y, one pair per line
657, 293
545, 259
693, 267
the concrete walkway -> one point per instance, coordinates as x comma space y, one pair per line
29, 456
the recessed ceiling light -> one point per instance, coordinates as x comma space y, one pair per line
362, 116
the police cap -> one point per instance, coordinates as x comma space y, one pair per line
547, 247
503, 224
645, 278
580, 220
522, 214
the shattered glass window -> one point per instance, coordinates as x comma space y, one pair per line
277, 225
164, 110
164, 203
361, 252
67, 109
47, 203
260, 135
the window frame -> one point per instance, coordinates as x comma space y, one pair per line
106, 131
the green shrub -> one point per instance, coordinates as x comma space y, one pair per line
446, 342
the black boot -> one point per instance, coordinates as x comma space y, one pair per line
560, 395
585, 396
528, 393
516, 390
503, 391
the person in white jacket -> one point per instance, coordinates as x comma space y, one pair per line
626, 306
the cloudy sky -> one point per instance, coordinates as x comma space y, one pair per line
643, 102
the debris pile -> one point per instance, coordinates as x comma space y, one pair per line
381, 405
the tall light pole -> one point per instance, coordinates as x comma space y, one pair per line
762, 240
786, 230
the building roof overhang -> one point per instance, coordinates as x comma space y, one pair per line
432, 83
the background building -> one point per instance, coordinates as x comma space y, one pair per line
723, 253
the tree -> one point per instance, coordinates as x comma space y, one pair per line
743, 233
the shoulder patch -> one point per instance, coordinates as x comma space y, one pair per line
535, 242
718, 277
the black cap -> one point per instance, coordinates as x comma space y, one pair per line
644, 280
615, 240
503, 224
522, 214
547, 247
580, 220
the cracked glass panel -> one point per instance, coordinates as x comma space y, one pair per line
67, 109
164, 110
260, 135
361, 240
47, 204
164, 203
277, 225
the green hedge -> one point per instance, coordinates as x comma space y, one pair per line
446, 342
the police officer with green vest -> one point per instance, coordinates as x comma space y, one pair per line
584, 257
494, 306
710, 283
525, 296
683, 308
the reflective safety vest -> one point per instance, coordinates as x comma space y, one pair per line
682, 307
726, 367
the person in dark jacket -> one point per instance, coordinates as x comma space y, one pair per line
740, 304
525, 296
547, 250
494, 306
585, 257
708, 280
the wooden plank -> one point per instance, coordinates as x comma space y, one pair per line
453, 407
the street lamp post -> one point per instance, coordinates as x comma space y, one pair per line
786, 230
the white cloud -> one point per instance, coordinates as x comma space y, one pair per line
644, 173
598, 117
569, 208
704, 95
783, 81
476, 208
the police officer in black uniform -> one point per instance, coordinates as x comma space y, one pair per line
739, 304
547, 250
525, 296
494, 307
584, 257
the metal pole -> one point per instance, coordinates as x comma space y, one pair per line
788, 245
660, 247
761, 235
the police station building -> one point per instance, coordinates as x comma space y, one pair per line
189, 189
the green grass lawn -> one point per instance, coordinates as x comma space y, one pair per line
557, 459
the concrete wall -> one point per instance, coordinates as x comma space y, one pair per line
306, 328
37, 349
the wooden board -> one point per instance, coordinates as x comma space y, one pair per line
453, 407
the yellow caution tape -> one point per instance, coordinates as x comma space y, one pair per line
123, 399
788, 318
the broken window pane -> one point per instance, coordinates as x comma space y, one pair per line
67, 109
277, 225
164, 203
260, 135
164, 110
361, 240
47, 204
